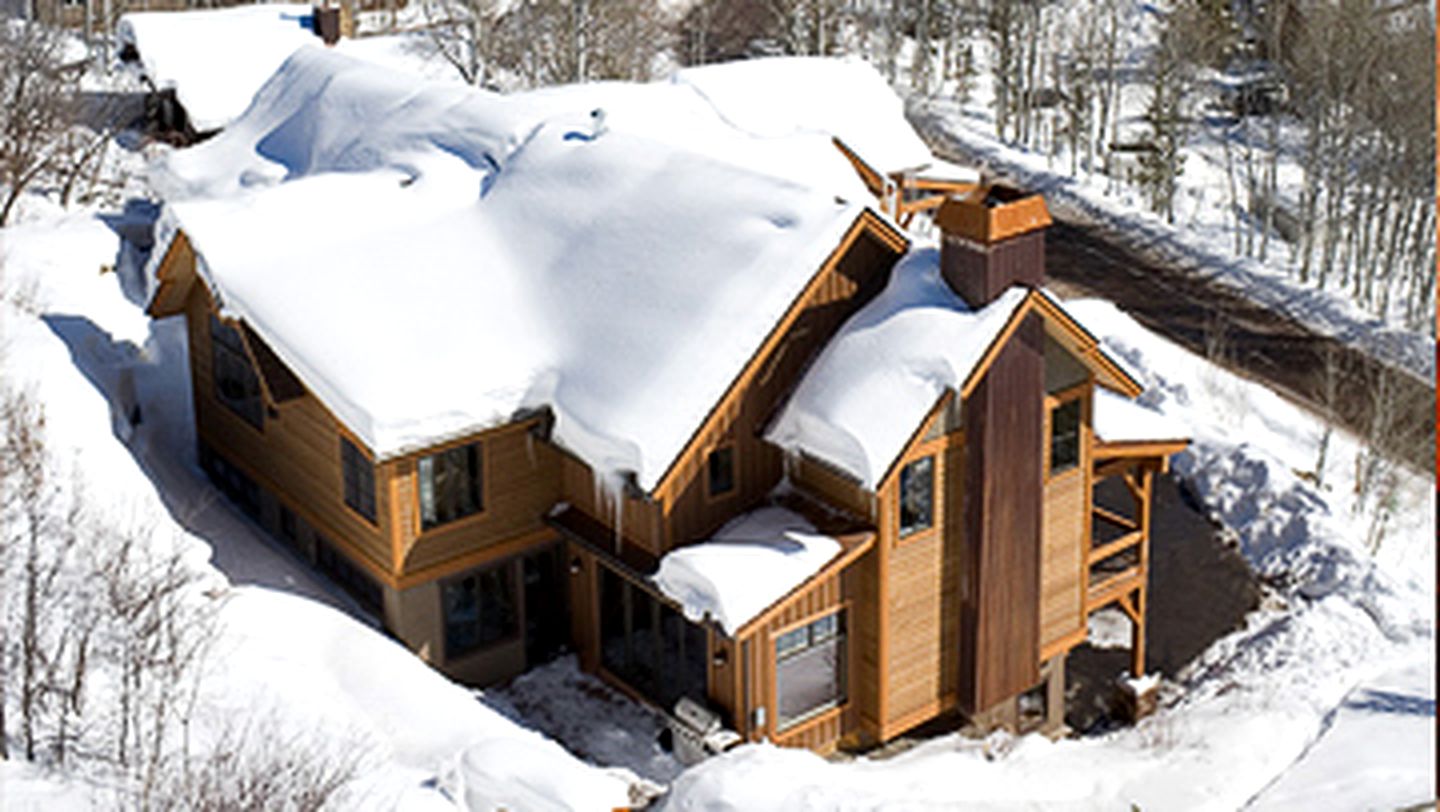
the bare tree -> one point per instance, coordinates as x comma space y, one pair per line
37, 107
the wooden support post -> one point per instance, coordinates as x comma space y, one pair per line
1137, 635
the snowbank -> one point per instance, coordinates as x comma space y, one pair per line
883, 372
749, 564
476, 233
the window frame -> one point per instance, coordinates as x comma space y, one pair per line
481, 491
241, 352
514, 586
844, 676
1079, 393
710, 494
366, 470
901, 534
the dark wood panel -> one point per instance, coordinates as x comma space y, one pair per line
1001, 551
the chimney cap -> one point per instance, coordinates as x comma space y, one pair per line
989, 214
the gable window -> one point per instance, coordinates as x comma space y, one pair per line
236, 384
720, 471
450, 485
1065, 436
809, 669
359, 477
917, 496
480, 610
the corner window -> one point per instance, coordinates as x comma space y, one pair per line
720, 471
450, 485
480, 610
236, 384
1065, 436
809, 669
917, 496
359, 476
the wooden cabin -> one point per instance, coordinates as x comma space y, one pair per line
809, 600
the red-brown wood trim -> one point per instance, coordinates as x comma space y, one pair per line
772, 715
476, 558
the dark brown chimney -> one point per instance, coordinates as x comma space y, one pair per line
994, 237
327, 23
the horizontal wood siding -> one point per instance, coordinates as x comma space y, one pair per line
1065, 538
841, 288
296, 456
521, 481
921, 590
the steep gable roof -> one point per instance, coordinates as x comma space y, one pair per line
431, 260
860, 403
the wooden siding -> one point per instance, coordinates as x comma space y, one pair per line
920, 585
833, 487
1065, 539
636, 520
1001, 547
295, 456
856, 272
980, 273
823, 732
520, 481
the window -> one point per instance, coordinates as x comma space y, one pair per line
449, 485
359, 476
287, 526
720, 470
1065, 436
342, 571
236, 384
917, 496
480, 610
809, 669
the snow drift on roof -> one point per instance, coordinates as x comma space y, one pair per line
216, 59
885, 370
438, 288
751, 563
1121, 420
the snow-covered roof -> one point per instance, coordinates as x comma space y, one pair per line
431, 260
216, 59
1118, 419
749, 564
861, 400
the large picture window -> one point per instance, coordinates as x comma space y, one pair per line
236, 384
450, 485
917, 496
480, 610
359, 475
809, 670
1065, 436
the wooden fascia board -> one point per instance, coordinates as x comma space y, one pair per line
1110, 374
874, 181
836, 565
1138, 449
865, 222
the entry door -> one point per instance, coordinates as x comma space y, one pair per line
546, 616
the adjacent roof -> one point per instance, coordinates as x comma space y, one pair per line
1117, 419
858, 405
431, 259
216, 59
748, 565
